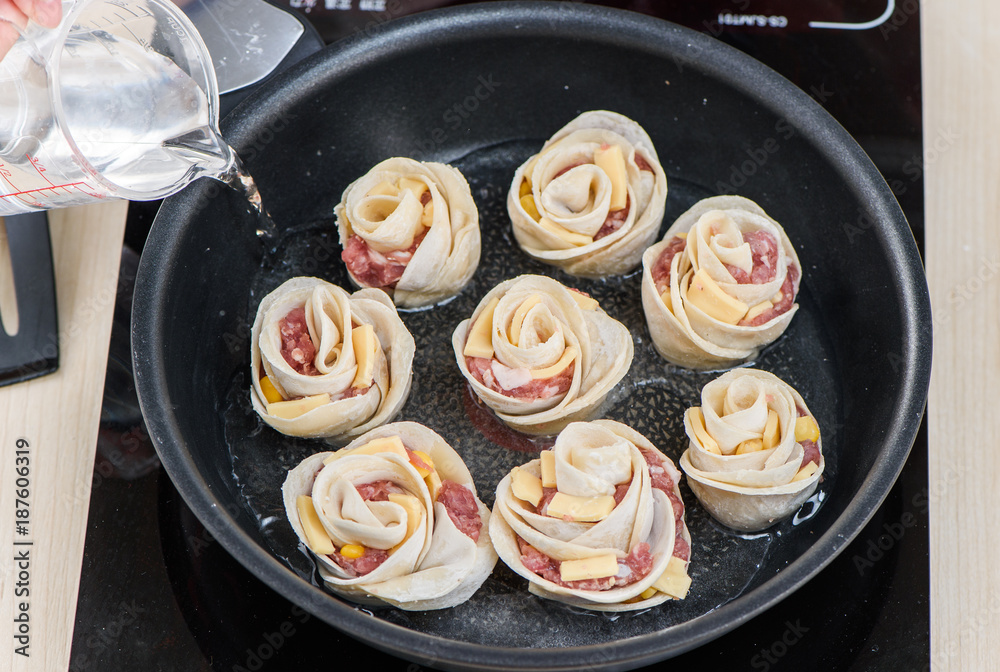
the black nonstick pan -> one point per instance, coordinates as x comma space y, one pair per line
482, 87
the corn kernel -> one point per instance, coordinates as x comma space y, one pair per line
270, 391
352, 551
806, 429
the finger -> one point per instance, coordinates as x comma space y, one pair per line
47, 13
10, 12
8, 36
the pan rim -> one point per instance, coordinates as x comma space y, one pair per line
525, 18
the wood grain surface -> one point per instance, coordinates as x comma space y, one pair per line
961, 73
57, 417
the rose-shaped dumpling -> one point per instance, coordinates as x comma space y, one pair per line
755, 453
720, 285
410, 228
325, 363
540, 354
592, 199
393, 518
597, 521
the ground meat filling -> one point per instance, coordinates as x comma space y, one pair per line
810, 454
632, 568
764, 250
462, 508
663, 477
661, 267
376, 491
482, 370
614, 220
642, 164
375, 269
783, 305
296, 346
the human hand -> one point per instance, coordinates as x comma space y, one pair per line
13, 13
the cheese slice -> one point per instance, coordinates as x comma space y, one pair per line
271, 393
806, 429
518, 320
426, 459
611, 161
414, 514
427, 216
805, 472
525, 188
585, 302
528, 203
597, 567
383, 189
289, 410
480, 340
750, 446
667, 301
317, 539
386, 444
526, 487
772, 431
433, 481
548, 459
418, 187
366, 347
700, 433
674, 581
757, 310
574, 239
568, 356
581, 509
706, 294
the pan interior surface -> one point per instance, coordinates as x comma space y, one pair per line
482, 88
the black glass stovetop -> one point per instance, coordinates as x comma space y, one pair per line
158, 593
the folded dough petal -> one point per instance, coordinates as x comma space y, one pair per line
357, 493
589, 214
410, 228
720, 285
550, 355
751, 488
303, 342
643, 538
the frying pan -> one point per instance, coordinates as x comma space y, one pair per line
482, 87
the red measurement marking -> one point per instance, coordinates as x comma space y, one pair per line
33, 191
39, 168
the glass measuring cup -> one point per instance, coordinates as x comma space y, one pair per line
119, 101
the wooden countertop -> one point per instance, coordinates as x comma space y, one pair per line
961, 70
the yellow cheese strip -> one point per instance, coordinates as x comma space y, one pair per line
528, 203
366, 347
525, 188
805, 472
700, 433
706, 294
674, 581
682, 236
289, 410
518, 320
580, 509
761, 307
568, 356
352, 551
806, 429
598, 567
667, 301
426, 459
526, 487
575, 239
383, 189
548, 459
386, 444
271, 393
648, 593
427, 216
772, 431
480, 341
433, 481
751, 446
414, 514
612, 162
317, 539
585, 302
418, 187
